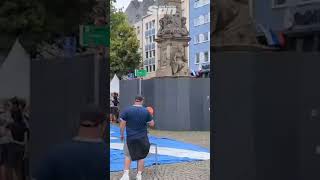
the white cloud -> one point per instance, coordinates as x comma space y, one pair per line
122, 4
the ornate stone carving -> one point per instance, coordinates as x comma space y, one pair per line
232, 24
184, 30
178, 62
172, 26
172, 38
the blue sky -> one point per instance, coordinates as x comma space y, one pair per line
122, 4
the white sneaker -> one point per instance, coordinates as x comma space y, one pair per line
139, 177
125, 177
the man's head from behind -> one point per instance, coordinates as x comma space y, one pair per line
91, 116
139, 100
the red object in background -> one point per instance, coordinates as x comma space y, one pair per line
150, 110
282, 39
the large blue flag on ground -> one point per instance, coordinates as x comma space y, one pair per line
169, 151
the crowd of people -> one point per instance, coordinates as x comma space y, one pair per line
14, 135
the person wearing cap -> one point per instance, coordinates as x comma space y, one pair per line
135, 119
83, 157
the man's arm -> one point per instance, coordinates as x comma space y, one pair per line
122, 126
151, 123
123, 123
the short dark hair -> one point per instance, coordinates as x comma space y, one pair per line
23, 103
92, 114
139, 98
14, 101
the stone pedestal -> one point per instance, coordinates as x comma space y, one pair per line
173, 40
172, 57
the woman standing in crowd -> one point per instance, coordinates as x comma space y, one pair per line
114, 107
5, 137
16, 137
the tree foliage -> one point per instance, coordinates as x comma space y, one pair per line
124, 45
36, 21
17, 16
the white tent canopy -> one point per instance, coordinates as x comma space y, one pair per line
114, 85
15, 74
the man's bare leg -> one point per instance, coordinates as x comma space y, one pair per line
140, 165
127, 163
140, 169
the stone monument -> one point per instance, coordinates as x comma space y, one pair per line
173, 40
232, 26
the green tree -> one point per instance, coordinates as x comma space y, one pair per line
124, 45
36, 21
17, 16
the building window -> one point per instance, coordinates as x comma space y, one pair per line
153, 23
207, 18
201, 37
195, 22
206, 36
147, 55
200, 3
154, 67
201, 19
147, 27
196, 39
197, 58
154, 53
201, 57
206, 56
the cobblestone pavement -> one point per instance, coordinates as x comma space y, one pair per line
198, 170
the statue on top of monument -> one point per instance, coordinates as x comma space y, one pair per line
172, 26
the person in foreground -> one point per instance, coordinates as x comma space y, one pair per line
82, 158
135, 119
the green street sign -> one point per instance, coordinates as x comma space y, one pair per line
140, 73
93, 36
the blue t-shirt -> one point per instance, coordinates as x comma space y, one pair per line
75, 160
137, 118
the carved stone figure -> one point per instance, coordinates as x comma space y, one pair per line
160, 31
184, 30
232, 24
178, 62
173, 26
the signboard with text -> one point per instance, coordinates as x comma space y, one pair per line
140, 73
94, 36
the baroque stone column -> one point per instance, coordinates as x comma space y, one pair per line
173, 40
